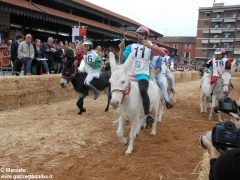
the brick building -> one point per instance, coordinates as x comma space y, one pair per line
218, 27
185, 45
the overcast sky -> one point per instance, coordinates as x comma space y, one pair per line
168, 17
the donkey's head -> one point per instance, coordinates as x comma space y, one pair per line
120, 81
68, 72
226, 82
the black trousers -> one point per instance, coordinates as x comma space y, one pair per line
143, 88
17, 65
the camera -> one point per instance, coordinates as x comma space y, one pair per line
223, 136
227, 105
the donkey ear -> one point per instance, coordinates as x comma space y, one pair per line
112, 61
128, 62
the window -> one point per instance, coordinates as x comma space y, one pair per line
215, 36
229, 26
187, 46
186, 54
216, 26
218, 16
226, 35
175, 46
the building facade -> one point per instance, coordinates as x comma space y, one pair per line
218, 27
185, 45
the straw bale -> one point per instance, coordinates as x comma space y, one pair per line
28, 90
186, 76
204, 167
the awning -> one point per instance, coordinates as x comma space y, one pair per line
37, 11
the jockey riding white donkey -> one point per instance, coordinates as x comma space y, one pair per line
218, 65
126, 99
91, 64
160, 70
140, 69
169, 63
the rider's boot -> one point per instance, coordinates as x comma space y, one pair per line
169, 105
94, 89
149, 120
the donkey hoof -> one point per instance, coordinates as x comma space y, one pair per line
128, 151
154, 132
123, 140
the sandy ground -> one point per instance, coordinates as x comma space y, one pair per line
52, 139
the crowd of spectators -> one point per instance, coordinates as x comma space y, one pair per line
36, 57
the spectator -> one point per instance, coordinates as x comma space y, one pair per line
49, 50
223, 166
39, 58
58, 59
79, 54
26, 54
14, 55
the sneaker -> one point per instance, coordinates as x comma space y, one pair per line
169, 105
149, 121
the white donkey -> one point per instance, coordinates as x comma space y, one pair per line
170, 81
127, 100
235, 65
220, 88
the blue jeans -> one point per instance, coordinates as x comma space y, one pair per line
45, 66
27, 65
161, 84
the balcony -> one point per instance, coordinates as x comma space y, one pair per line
227, 40
214, 41
230, 20
215, 31
216, 19
204, 41
205, 31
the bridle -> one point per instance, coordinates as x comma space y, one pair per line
70, 77
124, 92
228, 85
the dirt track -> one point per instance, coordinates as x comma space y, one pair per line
52, 139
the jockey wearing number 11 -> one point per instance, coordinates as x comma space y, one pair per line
140, 70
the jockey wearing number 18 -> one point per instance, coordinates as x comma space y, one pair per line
218, 65
91, 64
140, 70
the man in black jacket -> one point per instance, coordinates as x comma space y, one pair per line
14, 55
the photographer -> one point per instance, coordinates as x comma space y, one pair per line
223, 144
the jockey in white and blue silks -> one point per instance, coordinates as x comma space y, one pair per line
169, 63
91, 64
159, 76
140, 70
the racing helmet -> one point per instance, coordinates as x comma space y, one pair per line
220, 51
143, 30
88, 42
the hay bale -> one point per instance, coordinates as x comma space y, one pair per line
28, 90
204, 167
186, 76
18, 91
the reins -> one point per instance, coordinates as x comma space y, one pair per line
125, 91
